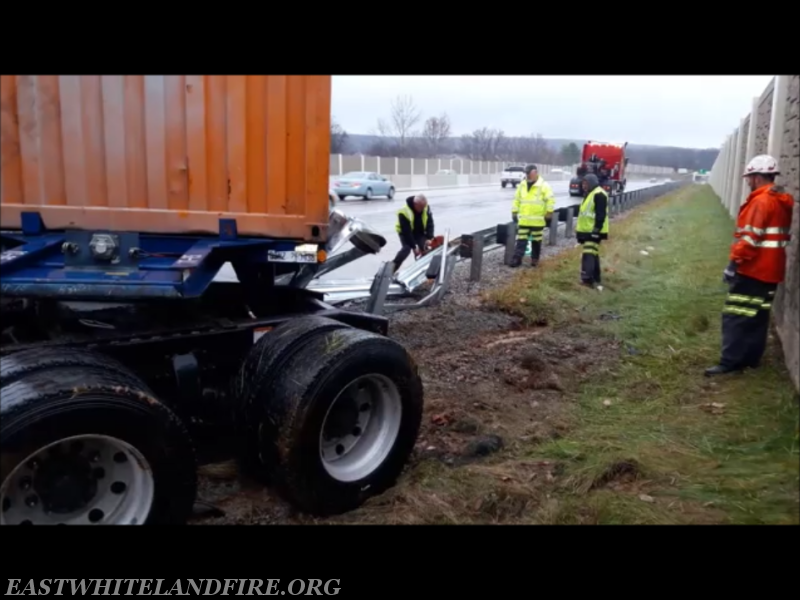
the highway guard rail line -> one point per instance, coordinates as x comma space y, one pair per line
436, 267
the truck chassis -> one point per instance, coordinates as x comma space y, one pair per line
124, 364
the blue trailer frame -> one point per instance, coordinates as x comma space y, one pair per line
145, 310
38, 263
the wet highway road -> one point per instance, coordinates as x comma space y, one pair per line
461, 210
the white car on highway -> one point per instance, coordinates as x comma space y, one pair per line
512, 175
363, 184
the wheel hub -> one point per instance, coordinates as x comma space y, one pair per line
346, 421
65, 482
342, 420
360, 428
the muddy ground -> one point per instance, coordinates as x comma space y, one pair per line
490, 383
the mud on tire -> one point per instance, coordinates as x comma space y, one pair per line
84, 415
344, 379
251, 388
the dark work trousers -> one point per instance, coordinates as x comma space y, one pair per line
745, 322
405, 250
590, 262
535, 235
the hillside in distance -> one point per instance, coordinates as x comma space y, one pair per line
640, 154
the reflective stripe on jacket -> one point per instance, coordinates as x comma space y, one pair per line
531, 205
763, 230
586, 214
408, 213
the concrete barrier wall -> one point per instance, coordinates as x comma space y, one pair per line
772, 127
421, 173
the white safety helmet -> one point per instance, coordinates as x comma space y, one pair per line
762, 164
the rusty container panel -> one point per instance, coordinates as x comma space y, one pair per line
167, 154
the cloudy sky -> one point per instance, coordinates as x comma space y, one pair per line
687, 111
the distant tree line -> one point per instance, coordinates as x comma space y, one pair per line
400, 134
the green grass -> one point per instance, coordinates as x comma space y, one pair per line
735, 464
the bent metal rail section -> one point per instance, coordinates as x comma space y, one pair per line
436, 268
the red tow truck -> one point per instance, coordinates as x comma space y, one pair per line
607, 161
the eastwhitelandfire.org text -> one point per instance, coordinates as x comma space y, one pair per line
173, 587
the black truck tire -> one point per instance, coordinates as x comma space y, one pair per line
127, 457
266, 361
373, 386
20, 364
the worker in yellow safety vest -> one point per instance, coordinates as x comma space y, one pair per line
592, 226
532, 209
414, 227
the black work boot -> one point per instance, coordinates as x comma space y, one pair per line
720, 370
534, 262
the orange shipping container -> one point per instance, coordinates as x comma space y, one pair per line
167, 153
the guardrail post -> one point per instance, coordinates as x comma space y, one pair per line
552, 237
380, 287
476, 262
568, 222
511, 242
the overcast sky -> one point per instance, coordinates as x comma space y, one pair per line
687, 111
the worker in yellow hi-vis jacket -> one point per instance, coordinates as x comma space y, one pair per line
534, 203
592, 227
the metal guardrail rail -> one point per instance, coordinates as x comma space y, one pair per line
436, 268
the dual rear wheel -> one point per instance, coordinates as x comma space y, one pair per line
327, 414
84, 441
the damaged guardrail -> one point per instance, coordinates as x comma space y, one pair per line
436, 267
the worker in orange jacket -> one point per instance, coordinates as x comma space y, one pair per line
757, 266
